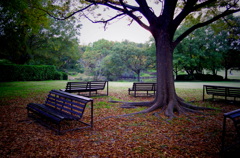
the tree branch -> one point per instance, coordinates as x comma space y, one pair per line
64, 18
188, 8
124, 10
146, 12
190, 30
104, 21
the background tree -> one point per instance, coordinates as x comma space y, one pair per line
93, 57
19, 21
29, 36
134, 56
190, 52
208, 48
163, 25
230, 33
57, 45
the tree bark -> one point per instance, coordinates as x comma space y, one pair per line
166, 97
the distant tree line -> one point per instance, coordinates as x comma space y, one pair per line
116, 59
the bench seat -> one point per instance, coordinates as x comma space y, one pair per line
51, 113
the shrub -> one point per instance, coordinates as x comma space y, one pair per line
184, 77
201, 77
14, 72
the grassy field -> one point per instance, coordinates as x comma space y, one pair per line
24, 89
141, 136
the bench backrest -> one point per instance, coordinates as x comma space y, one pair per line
144, 86
100, 85
216, 90
76, 85
69, 103
234, 92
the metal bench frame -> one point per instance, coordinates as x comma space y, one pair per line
60, 106
90, 86
223, 91
144, 87
235, 117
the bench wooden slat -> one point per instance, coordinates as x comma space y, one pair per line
66, 110
61, 104
96, 85
67, 103
75, 97
234, 92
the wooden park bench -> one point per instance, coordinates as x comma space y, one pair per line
91, 86
144, 87
60, 106
223, 91
235, 117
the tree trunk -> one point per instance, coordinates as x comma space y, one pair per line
138, 74
166, 98
226, 74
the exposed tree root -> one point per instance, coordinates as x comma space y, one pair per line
178, 105
133, 104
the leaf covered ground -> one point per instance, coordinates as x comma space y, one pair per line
143, 136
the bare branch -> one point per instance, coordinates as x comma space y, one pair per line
125, 9
104, 21
113, 5
64, 18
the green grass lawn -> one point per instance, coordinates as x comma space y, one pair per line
24, 89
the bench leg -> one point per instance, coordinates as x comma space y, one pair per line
223, 134
58, 129
203, 92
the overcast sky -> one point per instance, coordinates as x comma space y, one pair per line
117, 31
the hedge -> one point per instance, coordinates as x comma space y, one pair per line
202, 77
30, 73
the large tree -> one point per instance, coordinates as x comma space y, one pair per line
161, 18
